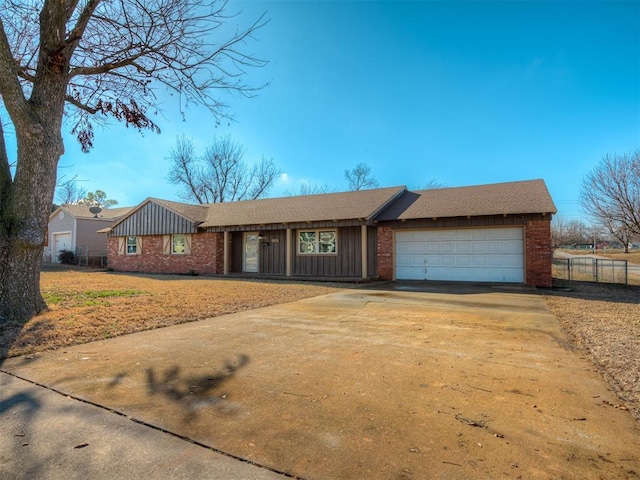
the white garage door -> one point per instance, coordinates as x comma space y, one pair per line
61, 241
475, 255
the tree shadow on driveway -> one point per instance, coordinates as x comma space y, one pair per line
190, 392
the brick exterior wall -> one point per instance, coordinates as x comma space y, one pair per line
385, 253
538, 253
206, 256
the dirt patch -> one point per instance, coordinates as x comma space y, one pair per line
94, 305
603, 321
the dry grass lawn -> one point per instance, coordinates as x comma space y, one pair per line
632, 257
603, 322
90, 305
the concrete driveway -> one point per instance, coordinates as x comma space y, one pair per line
401, 381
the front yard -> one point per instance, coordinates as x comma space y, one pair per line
90, 305
602, 321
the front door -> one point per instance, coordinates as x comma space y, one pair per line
250, 257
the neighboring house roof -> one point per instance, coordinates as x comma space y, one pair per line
82, 211
361, 204
523, 197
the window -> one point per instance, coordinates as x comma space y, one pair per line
317, 242
132, 246
129, 245
178, 243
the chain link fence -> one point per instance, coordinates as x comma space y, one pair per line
590, 269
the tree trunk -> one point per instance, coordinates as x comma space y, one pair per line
24, 216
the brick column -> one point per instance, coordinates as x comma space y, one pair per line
385, 253
539, 253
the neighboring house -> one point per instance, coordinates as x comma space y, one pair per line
487, 233
74, 228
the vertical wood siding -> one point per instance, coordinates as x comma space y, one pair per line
347, 263
153, 219
237, 248
372, 251
272, 257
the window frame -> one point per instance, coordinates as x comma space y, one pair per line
173, 243
317, 232
127, 245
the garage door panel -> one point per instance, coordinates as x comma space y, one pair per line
512, 246
483, 255
479, 261
479, 247
403, 248
446, 247
463, 247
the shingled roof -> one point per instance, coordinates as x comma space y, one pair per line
82, 211
362, 204
194, 213
529, 196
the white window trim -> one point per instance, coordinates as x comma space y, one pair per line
317, 231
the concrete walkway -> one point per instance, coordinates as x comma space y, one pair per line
414, 381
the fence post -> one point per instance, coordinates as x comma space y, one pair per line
569, 268
626, 272
596, 269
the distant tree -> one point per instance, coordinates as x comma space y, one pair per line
97, 199
68, 192
360, 177
307, 188
220, 175
610, 194
572, 232
89, 61
432, 184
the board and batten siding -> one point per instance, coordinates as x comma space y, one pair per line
347, 263
153, 219
372, 257
272, 254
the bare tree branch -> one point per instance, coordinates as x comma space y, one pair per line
610, 193
360, 177
220, 175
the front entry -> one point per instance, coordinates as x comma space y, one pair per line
250, 257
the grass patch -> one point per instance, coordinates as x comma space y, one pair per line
88, 297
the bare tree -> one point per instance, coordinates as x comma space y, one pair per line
432, 184
186, 170
314, 188
610, 194
220, 175
571, 232
360, 177
69, 193
95, 60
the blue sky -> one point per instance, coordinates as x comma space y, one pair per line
462, 92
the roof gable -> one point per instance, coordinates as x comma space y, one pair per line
156, 217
